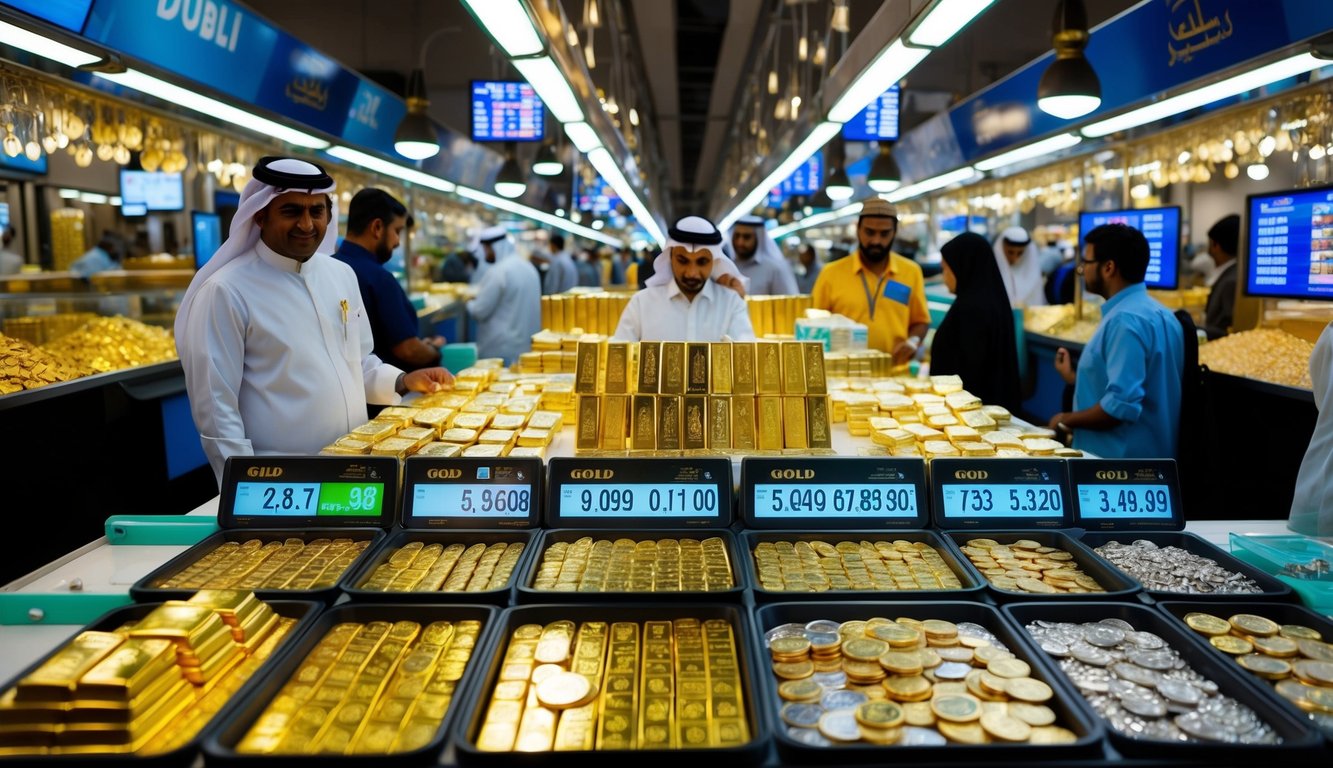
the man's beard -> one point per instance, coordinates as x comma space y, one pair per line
690, 285
874, 254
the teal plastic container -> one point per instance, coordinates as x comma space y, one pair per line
1281, 554
458, 356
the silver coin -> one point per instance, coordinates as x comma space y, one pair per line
915, 736
1145, 640
801, 715
1103, 636
1056, 649
841, 723
808, 736
823, 625
1180, 692
1203, 727
1135, 674
969, 629
1119, 687
785, 630
1120, 624
831, 680
1092, 684
1159, 660
1144, 705
1090, 655
822, 638
843, 699
952, 670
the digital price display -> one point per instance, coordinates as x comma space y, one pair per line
315, 491
1161, 227
1000, 493
878, 121
506, 110
154, 191
1289, 244
471, 493
647, 493
1114, 494
830, 493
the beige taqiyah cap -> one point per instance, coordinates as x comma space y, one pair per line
878, 206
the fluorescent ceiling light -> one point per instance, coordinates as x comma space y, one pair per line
44, 46
550, 84
68, 194
115, 200
945, 20
495, 201
816, 220
892, 65
92, 197
1246, 81
508, 24
1029, 151
817, 138
387, 168
211, 107
582, 136
609, 169
930, 185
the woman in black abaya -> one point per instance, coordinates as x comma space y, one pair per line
976, 338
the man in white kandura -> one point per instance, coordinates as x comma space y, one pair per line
508, 304
695, 293
1020, 266
758, 258
272, 334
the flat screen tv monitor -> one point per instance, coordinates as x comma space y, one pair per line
143, 191
878, 121
1288, 244
506, 110
207, 229
1162, 228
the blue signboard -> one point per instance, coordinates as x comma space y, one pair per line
307, 86
373, 117
506, 110
20, 162
877, 122
69, 14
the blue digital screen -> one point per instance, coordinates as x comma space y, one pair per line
877, 122
481, 500
874, 500
207, 236
70, 14
506, 110
598, 198
1003, 500
1289, 241
639, 500
1161, 226
154, 191
1100, 502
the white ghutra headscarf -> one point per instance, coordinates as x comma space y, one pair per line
694, 233
1023, 281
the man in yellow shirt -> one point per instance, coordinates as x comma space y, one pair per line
877, 287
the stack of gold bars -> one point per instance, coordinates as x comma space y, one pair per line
882, 566
146, 688
622, 685
775, 316
554, 352
599, 313
293, 564
371, 688
626, 565
671, 397
420, 567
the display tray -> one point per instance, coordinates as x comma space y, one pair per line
971, 587
1118, 586
1272, 588
1282, 613
143, 590
1069, 710
1298, 737
499, 596
527, 594
220, 746
303, 611
468, 725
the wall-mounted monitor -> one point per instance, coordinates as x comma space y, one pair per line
506, 110
1162, 228
144, 191
1288, 244
878, 121
207, 228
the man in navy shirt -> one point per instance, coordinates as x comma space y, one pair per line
375, 221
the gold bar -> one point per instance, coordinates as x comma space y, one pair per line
546, 312
612, 434
650, 354
669, 423
589, 423
742, 368
617, 368
673, 368
581, 315
742, 422
817, 421
720, 367
794, 433
696, 382
793, 368
617, 727
585, 371
604, 320
770, 423
756, 314
643, 432
815, 381
770, 321
769, 368
719, 423
54, 680
696, 422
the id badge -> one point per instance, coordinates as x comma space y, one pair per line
896, 291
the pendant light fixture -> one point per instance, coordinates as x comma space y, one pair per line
1069, 88
510, 181
547, 163
838, 187
415, 138
884, 174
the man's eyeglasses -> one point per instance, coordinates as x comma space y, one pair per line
1085, 262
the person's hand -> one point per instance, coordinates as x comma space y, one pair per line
428, 380
1064, 365
732, 282
1062, 431
436, 341
903, 352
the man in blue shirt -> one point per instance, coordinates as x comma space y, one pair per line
375, 222
1127, 391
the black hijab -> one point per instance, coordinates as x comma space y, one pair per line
976, 338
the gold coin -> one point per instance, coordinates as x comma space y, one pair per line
918, 713
939, 628
864, 649
1036, 586
880, 714
962, 733
956, 708
1313, 672
565, 690
1208, 624
1281, 647
800, 690
1010, 668
902, 662
960, 654
1052, 734
1321, 698
1004, 727
1256, 626
1315, 649
1029, 690
881, 735
1294, 691
794, 670
1267, 667
895, 635
1298, 632
914, 688
1231, 644
1032, 714
789, 646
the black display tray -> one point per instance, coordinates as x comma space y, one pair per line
971, 589
1118, 585
1298, 737
1069, 713
304, 611
219, 747
468, 725
1282, 613
144, 591
526, 595
1273, 589
500, 597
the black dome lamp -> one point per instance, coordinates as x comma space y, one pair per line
884, 175
510, 181
547, 163
415, 138
1069, 88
